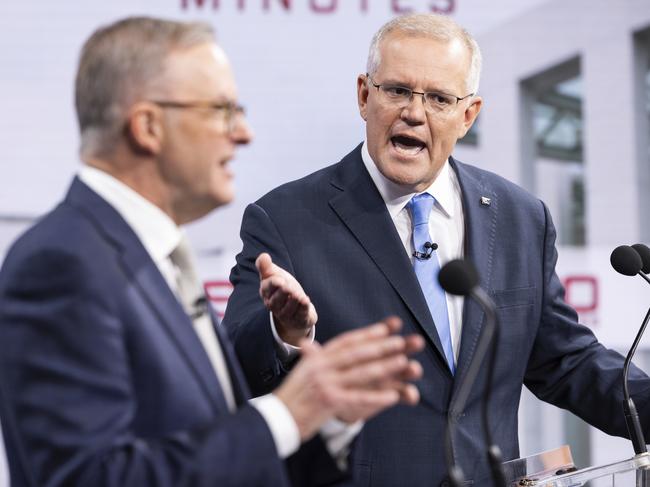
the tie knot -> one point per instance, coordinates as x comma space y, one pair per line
421, 205
181, 255
188, 286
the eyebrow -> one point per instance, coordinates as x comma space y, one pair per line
394, 82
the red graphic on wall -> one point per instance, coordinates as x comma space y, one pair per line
583, 295
218, 293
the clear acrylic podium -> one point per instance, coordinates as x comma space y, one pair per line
555, 468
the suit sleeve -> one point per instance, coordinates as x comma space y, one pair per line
570, 368
246, 318
66, 380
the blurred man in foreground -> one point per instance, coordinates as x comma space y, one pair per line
113, 371
355, 236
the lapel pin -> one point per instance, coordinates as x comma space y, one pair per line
485, 201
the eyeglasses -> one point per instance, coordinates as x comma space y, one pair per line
232, 112
400, 96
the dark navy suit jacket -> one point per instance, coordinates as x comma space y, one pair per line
104, 381
332, 231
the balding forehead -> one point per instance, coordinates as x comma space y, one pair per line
202, 71
456, 46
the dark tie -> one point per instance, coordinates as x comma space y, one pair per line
427, 267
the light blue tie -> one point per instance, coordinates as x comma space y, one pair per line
427, 269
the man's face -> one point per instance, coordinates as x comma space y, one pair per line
410, 145
198, 143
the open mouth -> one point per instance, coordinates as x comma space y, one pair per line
407, 145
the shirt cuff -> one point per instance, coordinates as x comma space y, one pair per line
285, 350
338, 436
280, 422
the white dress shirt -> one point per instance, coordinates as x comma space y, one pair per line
160, 236
4, 468
446, 225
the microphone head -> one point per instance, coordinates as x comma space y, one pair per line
458, 277
644, 253
625, 260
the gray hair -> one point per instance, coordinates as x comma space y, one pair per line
117, 65
434, 26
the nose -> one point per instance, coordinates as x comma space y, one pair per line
241, 132
414, 112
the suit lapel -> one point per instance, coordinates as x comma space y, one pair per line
480, 236
151, 285
363, 211
179, 326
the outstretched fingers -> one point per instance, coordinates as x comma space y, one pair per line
372, 343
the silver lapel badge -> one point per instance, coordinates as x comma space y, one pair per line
485, 201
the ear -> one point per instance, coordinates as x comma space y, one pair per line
471, 112
144, 128
362, 95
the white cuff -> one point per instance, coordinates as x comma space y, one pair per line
285, 350
338, 436
279, 420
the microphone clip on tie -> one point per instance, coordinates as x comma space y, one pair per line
429, 247
200, 308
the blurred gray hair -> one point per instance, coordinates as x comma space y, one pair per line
434, 26
117, 65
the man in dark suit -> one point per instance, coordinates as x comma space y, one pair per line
354, 235
112, 370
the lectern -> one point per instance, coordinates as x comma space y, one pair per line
555, 468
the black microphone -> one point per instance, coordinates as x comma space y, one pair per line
628, 261
429, 247
625, 260
644, 253
460, 277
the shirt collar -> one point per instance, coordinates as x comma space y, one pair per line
394, 195
155, 229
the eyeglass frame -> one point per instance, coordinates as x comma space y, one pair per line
423, 94
231, 110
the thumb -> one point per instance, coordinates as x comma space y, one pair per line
264, 265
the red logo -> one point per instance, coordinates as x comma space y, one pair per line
582, 294
218, 293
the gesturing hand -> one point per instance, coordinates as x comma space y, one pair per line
354, 376
293, 312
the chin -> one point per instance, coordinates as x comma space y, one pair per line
224, 198
402, 177
222, 192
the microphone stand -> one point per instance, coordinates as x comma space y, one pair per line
631, 261
495, 457
490, 333
629, 408
631, 416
